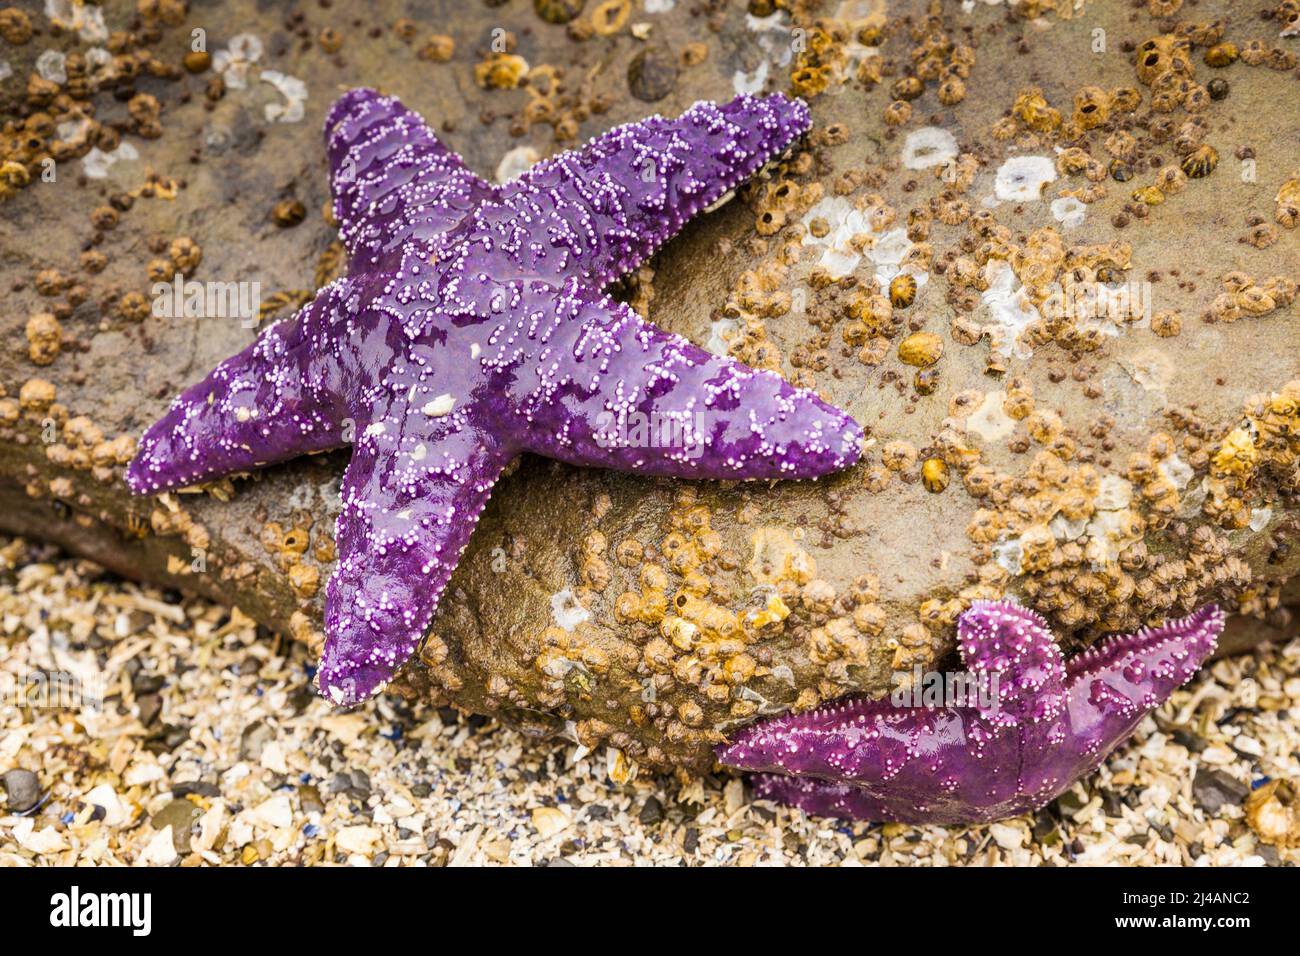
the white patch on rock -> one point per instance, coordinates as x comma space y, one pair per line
1012, 312
1064, 529
294, 92
752, 82
839, 258
96, 163
721, 332
1022, 178
52, 66
659, 6
74, 130
515, 163
929, 146
1069, 211
99, 60
774, 42
302, 497
1008, 554
990, 421
1113, 494
840, 255
1109, 525
1150, 368
857, 15
566, 611
1259, 518
6, 70
85, 19
1177, 471
888, 254
234, 62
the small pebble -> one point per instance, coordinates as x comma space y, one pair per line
22, 790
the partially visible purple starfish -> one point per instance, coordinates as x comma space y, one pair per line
1049, 724
470, 328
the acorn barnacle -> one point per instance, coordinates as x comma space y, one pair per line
902, 290
1160, 55
1091, 107
907, 88
1125, 99
1254, 53
1171, 180
898, 112
1288, 203
952, 91
1004, 129
1031, 107
1200, 162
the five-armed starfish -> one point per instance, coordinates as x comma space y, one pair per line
1050, 722
470, 328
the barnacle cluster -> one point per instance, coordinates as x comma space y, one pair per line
1243, 297
58, 120
1257, 460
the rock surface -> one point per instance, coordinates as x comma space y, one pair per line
1109, 474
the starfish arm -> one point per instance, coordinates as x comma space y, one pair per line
1109, 689
821, 798
872, 759
858, 740
1115, 683
614, 391
275, 400
392, 180
919, 801
611, 204
1010, 650
412, 495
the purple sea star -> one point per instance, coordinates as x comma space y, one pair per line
1049, 723
470, 328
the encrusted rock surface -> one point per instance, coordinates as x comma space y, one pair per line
1108, 474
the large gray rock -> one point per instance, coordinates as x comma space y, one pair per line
1102, 473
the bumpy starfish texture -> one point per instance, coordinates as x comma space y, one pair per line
470, 328
997, 754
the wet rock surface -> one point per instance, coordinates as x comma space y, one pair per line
1107, 473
